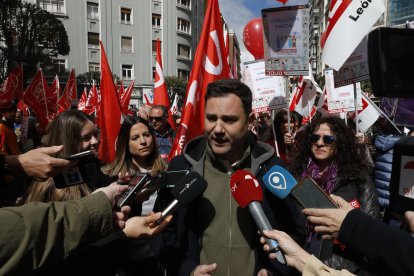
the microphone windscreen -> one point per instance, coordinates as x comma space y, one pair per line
279, 181
189, 188
245, 188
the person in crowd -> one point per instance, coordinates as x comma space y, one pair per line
298, 258
9, 145
77, 132
144, 111
39, 235
327, 151
390, 247
158, 117
213, 235
137, 153
284, 137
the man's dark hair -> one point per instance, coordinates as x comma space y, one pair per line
163, 109
224, 87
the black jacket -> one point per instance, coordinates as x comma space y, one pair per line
181, 241
353, 188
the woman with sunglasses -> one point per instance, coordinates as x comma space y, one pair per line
327, 151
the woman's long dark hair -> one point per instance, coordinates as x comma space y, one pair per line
123, 161
348, 154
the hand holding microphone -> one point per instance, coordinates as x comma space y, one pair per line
247, 192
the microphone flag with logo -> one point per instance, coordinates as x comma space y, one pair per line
279, 181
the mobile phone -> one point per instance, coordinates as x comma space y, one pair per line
84, 170
310, 195
85, 155
136, 183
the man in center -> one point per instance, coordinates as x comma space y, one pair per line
213, 234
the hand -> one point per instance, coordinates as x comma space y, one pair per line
409, 219
360, 138
204, 270
264, 272
329, 221
38, 163
121, 216
294, 254
288, 138
136, 227
113, 192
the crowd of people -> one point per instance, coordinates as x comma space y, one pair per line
77, 230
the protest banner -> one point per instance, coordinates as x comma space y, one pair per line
286, 40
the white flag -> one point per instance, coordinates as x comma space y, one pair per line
368, 115
349, 21
174, 106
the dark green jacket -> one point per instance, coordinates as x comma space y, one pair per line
37, 235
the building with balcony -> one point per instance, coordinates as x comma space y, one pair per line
129, 30
399, 12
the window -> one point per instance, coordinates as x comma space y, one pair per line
55, 6
183, 74
126, 16
184, 3
154, 46
59, 65
93, 10
93, 40
156, 20
183, 26
183, 51
127, 71
94, 67
126, 44
94, 54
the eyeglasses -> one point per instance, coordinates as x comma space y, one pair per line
158, 119
327, 139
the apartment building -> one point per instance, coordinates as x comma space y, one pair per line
129, 30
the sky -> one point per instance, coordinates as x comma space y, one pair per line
238, 13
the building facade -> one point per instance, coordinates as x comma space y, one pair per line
129, 30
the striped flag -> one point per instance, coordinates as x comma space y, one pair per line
349, 21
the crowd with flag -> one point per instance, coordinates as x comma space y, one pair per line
283, 129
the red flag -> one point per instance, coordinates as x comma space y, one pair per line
23, 108
210, 64
160, 88
82, 100
52, 97
35, 98
91, 101
12, 86
110, 112
126, 97
121, 90
69, 94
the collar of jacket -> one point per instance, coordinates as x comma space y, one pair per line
195, 152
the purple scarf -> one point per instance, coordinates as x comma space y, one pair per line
325, 179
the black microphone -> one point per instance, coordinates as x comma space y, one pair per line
186, 190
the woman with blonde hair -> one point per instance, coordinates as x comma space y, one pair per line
77, 132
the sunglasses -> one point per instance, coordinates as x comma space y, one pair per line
327, 139
158, 119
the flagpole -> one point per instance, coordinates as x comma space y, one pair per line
287, 94
274, 132
356, 107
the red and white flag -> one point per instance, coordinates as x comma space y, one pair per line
110, 112
69, 94
160, 88
82, 100
210, 64
368, 115
54, 93
91, 101
35, 98
174, 106
349, 21
12, 86
126, 97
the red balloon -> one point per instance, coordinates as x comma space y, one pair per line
282, 1
253, 38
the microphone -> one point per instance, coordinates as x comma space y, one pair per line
186, 190
247, 192
281, 183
